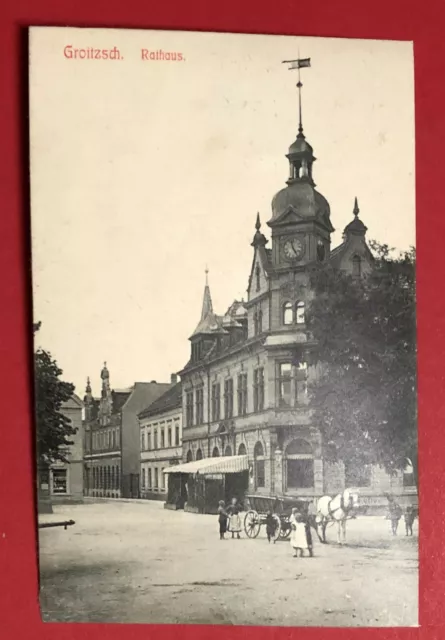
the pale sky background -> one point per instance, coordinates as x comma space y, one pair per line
143, 172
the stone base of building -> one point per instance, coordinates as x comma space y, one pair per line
191, 509
172, 507
152, 495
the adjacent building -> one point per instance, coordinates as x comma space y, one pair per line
161, 442
245, 386
112, 436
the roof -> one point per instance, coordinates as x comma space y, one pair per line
119, 399
171, 399
210, 466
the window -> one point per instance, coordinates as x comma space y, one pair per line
149, 479
357, 474
408, 474
356, 266
228, 398
162, 437
113, 478
199, 454
216, 401
143, 479
215, 453
155, 439
299, 465
242, 451
288, 315
228, 450
60, 481
113, 439
177, 435
258, 277
260, 321
156, 478
189, 408
169, 436
200, 405
143, 441
299, 313
258, 455
258, 389
301, 382
285, 384
189, 457
255, 323
118, 479
242, 394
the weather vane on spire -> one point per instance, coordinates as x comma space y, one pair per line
299, 63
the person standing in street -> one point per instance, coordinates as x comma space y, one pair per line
222, 519
394, 514
234, 518
298, 539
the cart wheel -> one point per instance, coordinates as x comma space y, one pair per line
252, 524
277, 528
285, 529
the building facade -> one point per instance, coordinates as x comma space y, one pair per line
245, 385
112, 438
161, 442
65, 481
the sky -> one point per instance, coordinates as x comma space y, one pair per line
144, 172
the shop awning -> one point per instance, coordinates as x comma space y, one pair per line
210, 466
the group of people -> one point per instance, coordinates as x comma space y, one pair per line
395, 512
229, 519
300, 539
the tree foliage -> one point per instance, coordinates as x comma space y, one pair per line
364, 399
53, 428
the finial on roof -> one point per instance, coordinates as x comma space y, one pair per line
258, 222
88, 387
356, 210
207, 275
258, 239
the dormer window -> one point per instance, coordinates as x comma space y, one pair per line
288, 313
258, 274
356, 266
299, 313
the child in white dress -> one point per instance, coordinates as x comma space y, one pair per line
298, 538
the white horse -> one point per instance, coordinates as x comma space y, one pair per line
336, 510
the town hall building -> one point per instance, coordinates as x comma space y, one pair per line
245, 385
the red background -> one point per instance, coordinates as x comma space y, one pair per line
422, 22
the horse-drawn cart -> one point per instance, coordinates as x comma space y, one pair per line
279, 507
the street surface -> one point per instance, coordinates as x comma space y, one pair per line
139, 563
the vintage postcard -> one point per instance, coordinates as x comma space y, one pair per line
223, 252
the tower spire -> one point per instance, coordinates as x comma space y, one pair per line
258, 239
299, 63
207, 306
356, 210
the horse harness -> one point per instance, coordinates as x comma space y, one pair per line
345, 508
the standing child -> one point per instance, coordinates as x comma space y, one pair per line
271, 526
222, 519
234, 519
410, 516
395, 513
298, 538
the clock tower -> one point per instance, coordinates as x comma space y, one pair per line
301, 225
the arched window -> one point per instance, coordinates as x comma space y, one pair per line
258, 275
242, 451
408, 474
260, 475
189, 456
228, 451
299, 459
215, 453
288, 316
356, 266
299, 313
199, 454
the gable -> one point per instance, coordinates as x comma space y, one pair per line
258, 280
355, 248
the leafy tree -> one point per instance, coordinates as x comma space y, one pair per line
364, 329
53, 428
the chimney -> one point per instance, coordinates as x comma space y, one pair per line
173, 378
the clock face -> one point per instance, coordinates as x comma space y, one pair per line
293, 248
